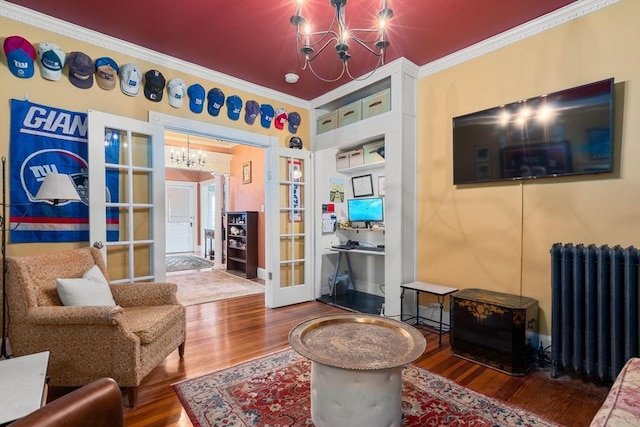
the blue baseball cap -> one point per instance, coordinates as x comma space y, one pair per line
215, 99
20, 56
266, 115
251, 111
234, 106
196, 98
294, 122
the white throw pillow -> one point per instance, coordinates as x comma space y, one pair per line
91, 290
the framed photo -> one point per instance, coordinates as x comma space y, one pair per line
246, 173
381, 185
482, 154
362, 185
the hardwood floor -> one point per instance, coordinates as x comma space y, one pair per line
225, 333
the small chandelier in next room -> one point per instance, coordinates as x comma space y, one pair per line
187, 159
310, 44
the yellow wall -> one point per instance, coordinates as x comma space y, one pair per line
498, 236
62, 94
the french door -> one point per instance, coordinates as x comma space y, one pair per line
289, 227
127, 196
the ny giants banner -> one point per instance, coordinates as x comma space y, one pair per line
50, 140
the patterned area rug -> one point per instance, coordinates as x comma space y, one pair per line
274, 391
186, 262
211, 285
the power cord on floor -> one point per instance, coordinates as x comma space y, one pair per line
543, 357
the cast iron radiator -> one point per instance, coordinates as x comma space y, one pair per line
594, 309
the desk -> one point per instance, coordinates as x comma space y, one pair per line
23, 385
332, 283
439, 291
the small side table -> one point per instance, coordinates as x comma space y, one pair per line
438, 290
23, 385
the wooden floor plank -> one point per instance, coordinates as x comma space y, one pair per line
224, 333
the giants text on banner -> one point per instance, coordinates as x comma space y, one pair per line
50, 140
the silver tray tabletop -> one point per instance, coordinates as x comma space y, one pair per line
357, 341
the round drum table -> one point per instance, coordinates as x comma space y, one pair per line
356, 367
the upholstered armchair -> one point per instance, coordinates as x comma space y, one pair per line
123, 341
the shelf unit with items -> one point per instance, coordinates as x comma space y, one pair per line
364, 157
382, 143
354, 107
242, 244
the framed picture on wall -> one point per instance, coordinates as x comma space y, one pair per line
381, 185
362, 185
246, 173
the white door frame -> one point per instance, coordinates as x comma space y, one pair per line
194, 127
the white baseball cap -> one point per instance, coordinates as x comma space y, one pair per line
51, 58
177, 89
130, 78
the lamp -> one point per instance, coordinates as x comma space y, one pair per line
54, 189
341, 36
186, 159
57, 187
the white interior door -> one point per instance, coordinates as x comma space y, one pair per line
180, 216
289, 224
126, 165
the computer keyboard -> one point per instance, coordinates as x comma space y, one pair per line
370, 248
341, 247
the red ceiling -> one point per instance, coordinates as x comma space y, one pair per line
254, 41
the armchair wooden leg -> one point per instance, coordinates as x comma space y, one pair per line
181, 350
132, 395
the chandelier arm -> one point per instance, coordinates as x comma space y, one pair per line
364, 45
315, 55
369, 74
344, 69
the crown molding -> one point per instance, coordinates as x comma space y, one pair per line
39, 20
561, 16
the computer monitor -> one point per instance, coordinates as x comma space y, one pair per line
367, 210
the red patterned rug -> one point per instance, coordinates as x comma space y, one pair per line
274, 391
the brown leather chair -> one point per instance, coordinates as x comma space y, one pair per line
97, 404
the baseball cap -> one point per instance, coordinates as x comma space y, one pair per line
196, 98
153, 85
295, 142
177, 89
130, 78
234, 106
51, 58
294, 121
81, 70
251, 111
266, 115
215, 99
280, 118
106, 73
20, 56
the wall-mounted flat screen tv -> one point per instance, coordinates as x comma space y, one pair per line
367, 210
563, 133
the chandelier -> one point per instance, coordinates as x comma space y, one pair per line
186, 159
311, 44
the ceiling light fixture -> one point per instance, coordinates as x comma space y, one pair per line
340, 35
186, 159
